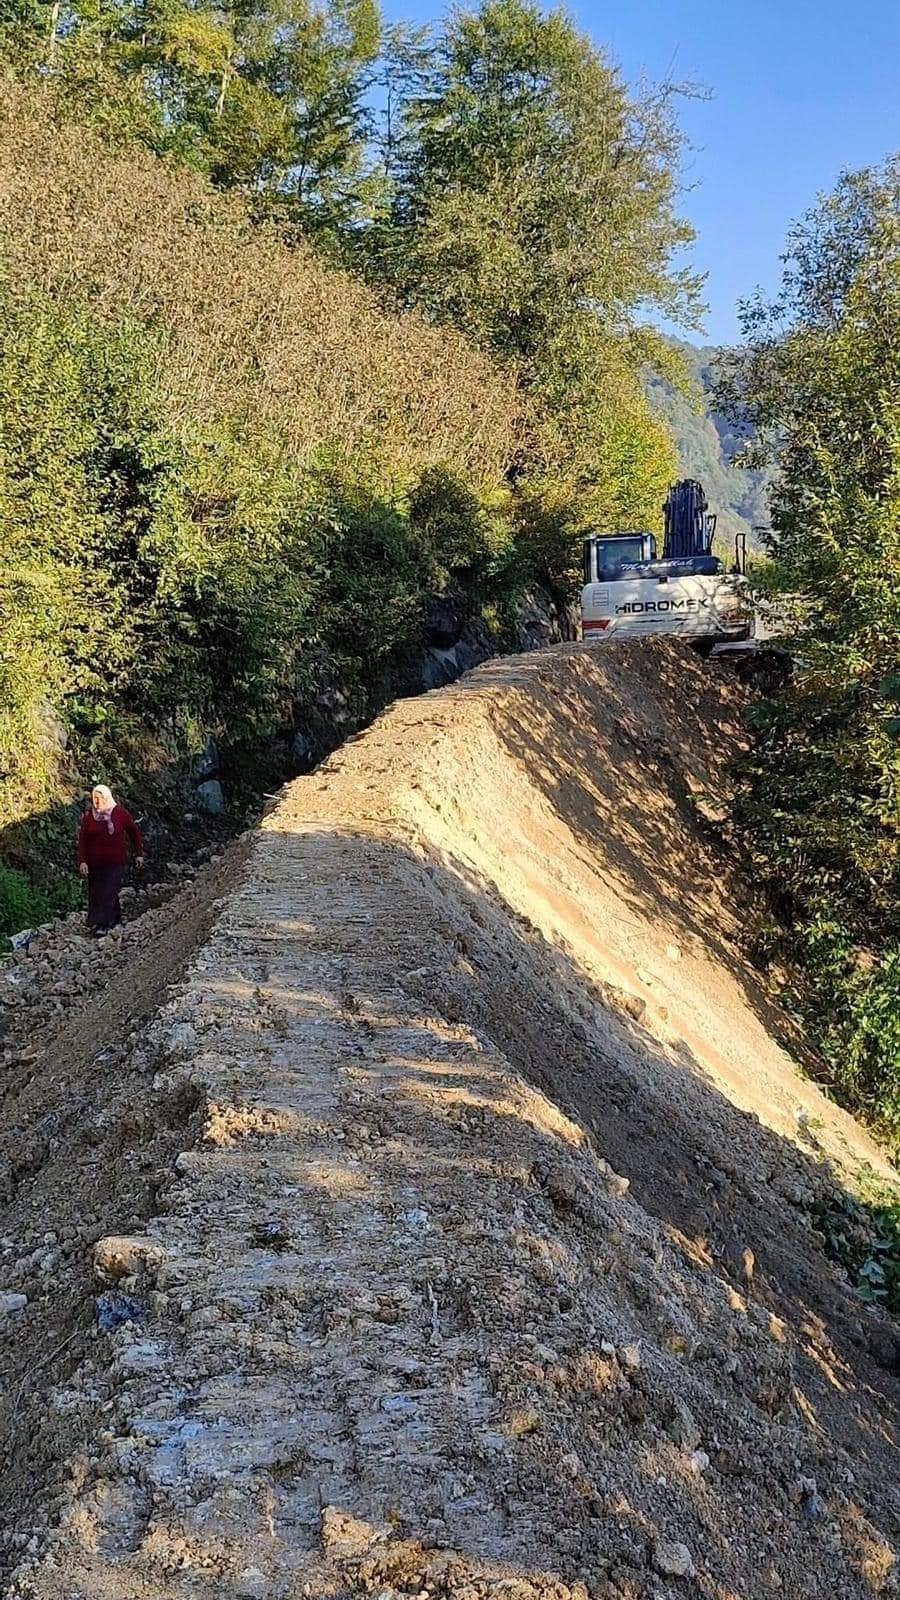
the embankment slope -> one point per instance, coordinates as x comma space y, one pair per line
406, 1329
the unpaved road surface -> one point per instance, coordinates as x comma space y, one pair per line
477, 1260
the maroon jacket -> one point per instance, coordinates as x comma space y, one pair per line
97, 847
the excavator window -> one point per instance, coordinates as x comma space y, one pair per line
615, 552
612, 554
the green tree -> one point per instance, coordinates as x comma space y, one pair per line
263, 95
21, 25
83, 487
272, 94
533, 206
820, 380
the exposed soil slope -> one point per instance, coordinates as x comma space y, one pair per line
404, 1328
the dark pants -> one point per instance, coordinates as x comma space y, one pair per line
104, 884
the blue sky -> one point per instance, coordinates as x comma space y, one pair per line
801, 90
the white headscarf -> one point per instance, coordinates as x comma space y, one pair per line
103, 812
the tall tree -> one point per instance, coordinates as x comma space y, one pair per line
265, 95
533, 184
534, 207
820, 380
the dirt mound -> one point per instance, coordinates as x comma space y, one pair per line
491, 1270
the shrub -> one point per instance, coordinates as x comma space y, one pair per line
21, 904
820, 379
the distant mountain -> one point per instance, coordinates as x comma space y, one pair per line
707, 445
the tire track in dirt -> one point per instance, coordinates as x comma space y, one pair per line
85, 1145
482, 1277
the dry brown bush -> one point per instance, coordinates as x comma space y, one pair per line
251, 329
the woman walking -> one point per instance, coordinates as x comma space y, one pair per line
103, 837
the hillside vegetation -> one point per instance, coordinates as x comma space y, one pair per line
276, 340
707, 445
204, 437
244, 438
819, 380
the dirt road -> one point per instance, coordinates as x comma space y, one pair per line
486, 1266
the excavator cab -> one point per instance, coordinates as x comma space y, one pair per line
607, 555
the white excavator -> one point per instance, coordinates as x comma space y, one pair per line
629, 592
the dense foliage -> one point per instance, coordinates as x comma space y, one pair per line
821, 382
531, 205
268, 95
495, 172
209, 461
245, 436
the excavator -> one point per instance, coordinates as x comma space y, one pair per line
630, 592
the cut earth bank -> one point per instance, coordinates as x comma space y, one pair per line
478, 1257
